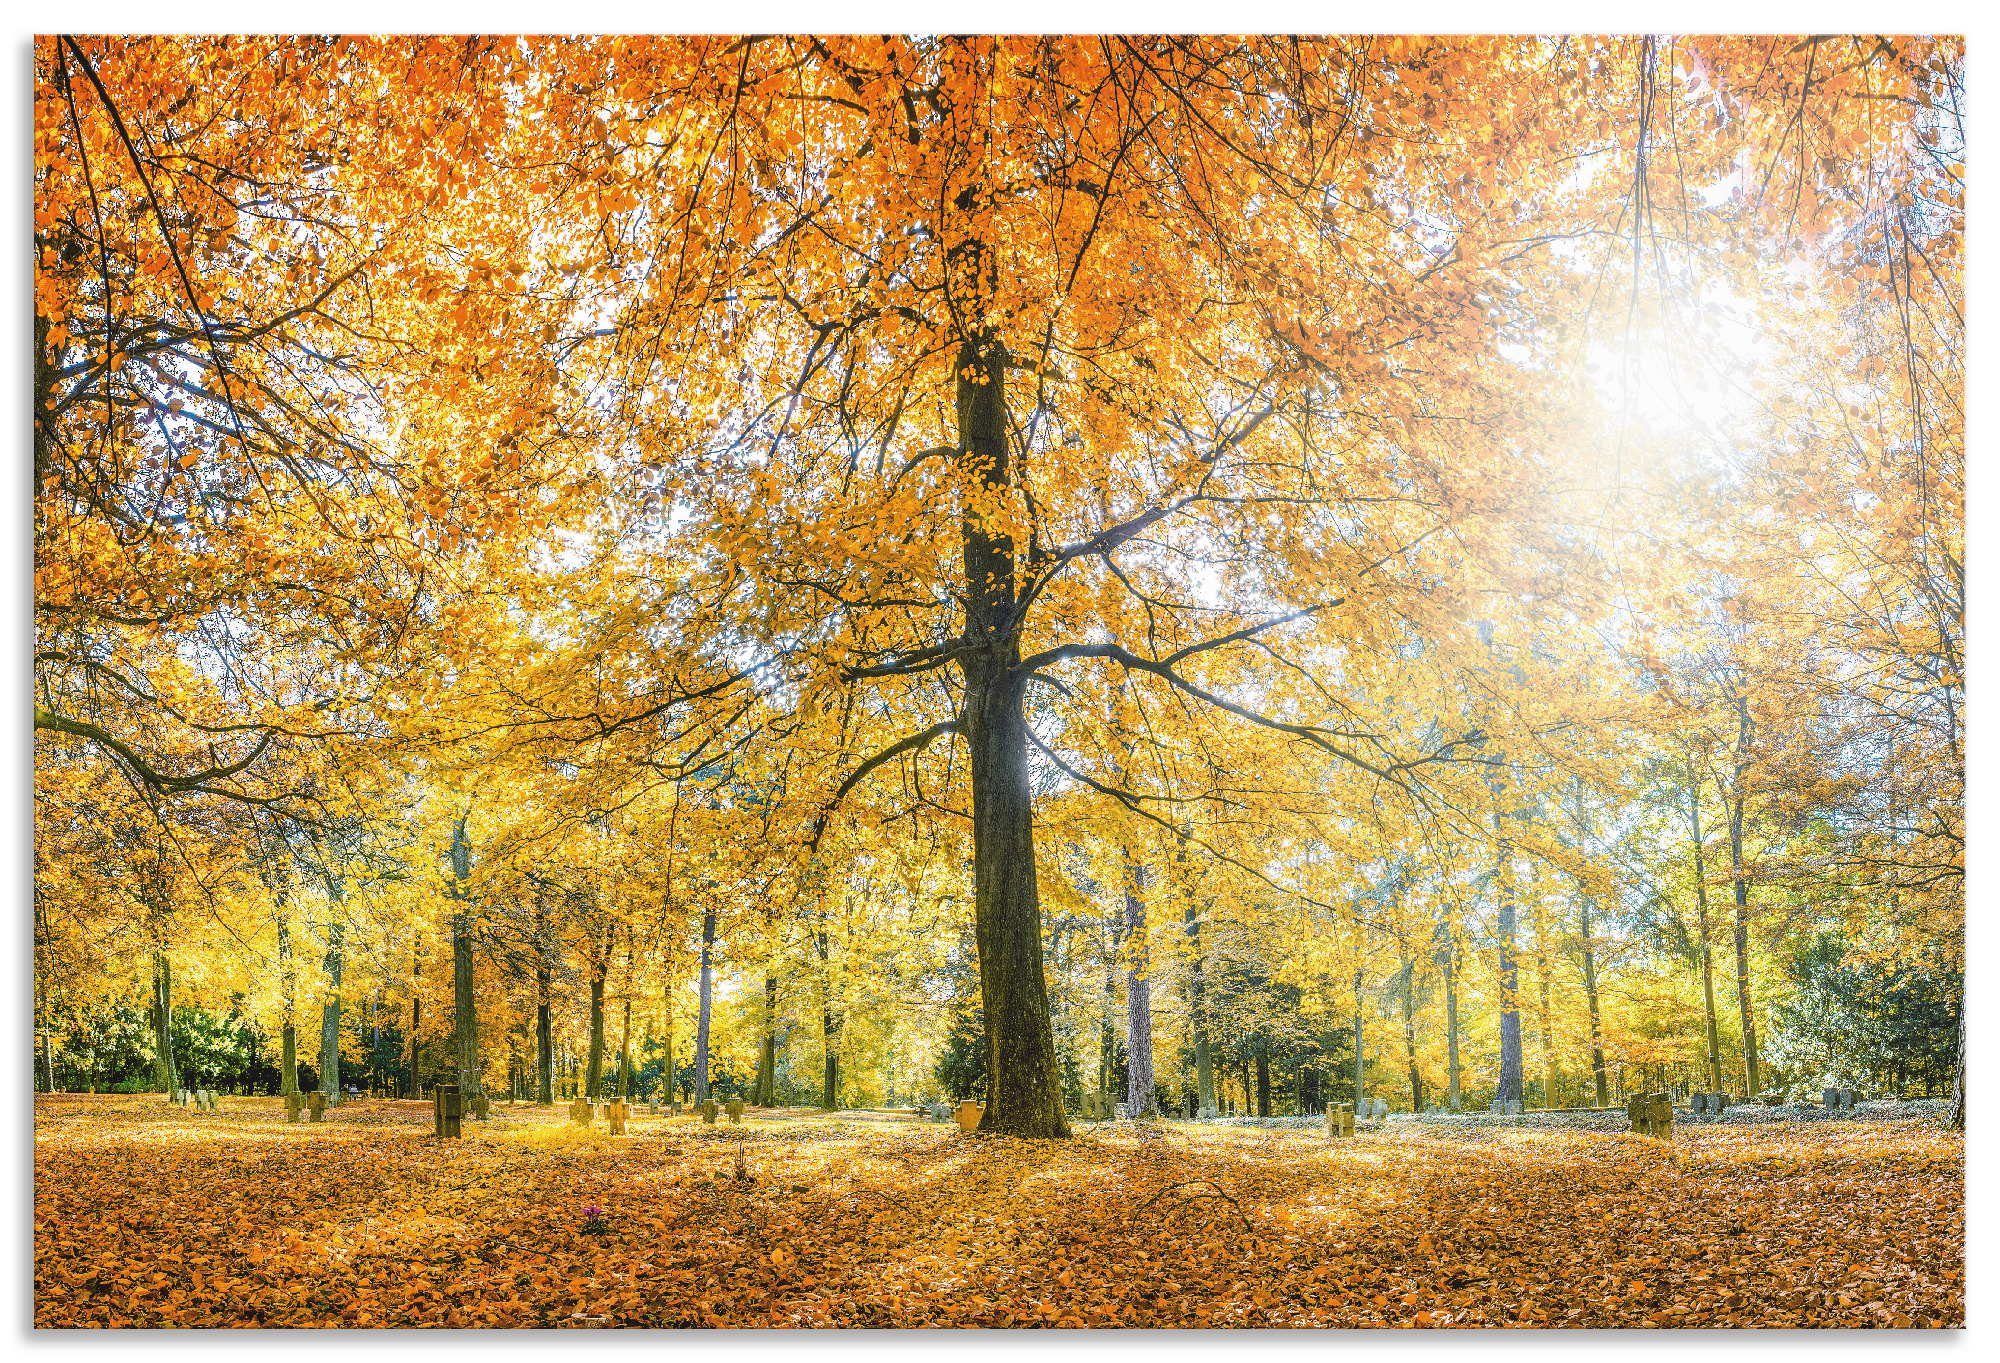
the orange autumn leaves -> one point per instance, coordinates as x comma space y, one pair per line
146, 1215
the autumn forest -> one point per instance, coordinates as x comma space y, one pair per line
1115, 680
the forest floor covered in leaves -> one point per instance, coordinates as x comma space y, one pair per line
148, 1215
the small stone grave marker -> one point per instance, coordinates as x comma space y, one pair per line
316, 1105
1340, 1119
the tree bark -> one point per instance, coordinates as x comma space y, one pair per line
829, 1028
1508, 1088
288, 1034
1598, 1072
545, 1048
1139, 1079
464, 1005
706, 1007
1410, 1035
1707, 954
593, 1074
1454, 1073
329, 1024
767, 1056
1204, 1059
166, 1075
1263, 1078
1026, 1085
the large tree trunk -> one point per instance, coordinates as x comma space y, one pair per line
166, 1075
1263, 1077
1026, 1086
329, 1020
706, 1007
1204, 1059
1139, 1084
464, 1006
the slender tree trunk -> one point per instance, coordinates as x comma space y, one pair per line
1139, 1082
593, 1074
329, 1026
1107, 1020
1741, 885
166, 1074
545, 1047
625, 1043
417, 1022
1204, 1059
1410, 1035
706, 1007
1026, 1085
464, 1004
1543, 971
1956, 1116
1508, 1090
1360, 1058
1454, 1073
1263, 1078
829, 1027
767, 1056
1706, 952
1598, 1073
288, 1034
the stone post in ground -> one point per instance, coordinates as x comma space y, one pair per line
1340, 1119
316, 1105
735, 1110
709, 1109
295, 1107
579, 1112
448, 1111
615, 1113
